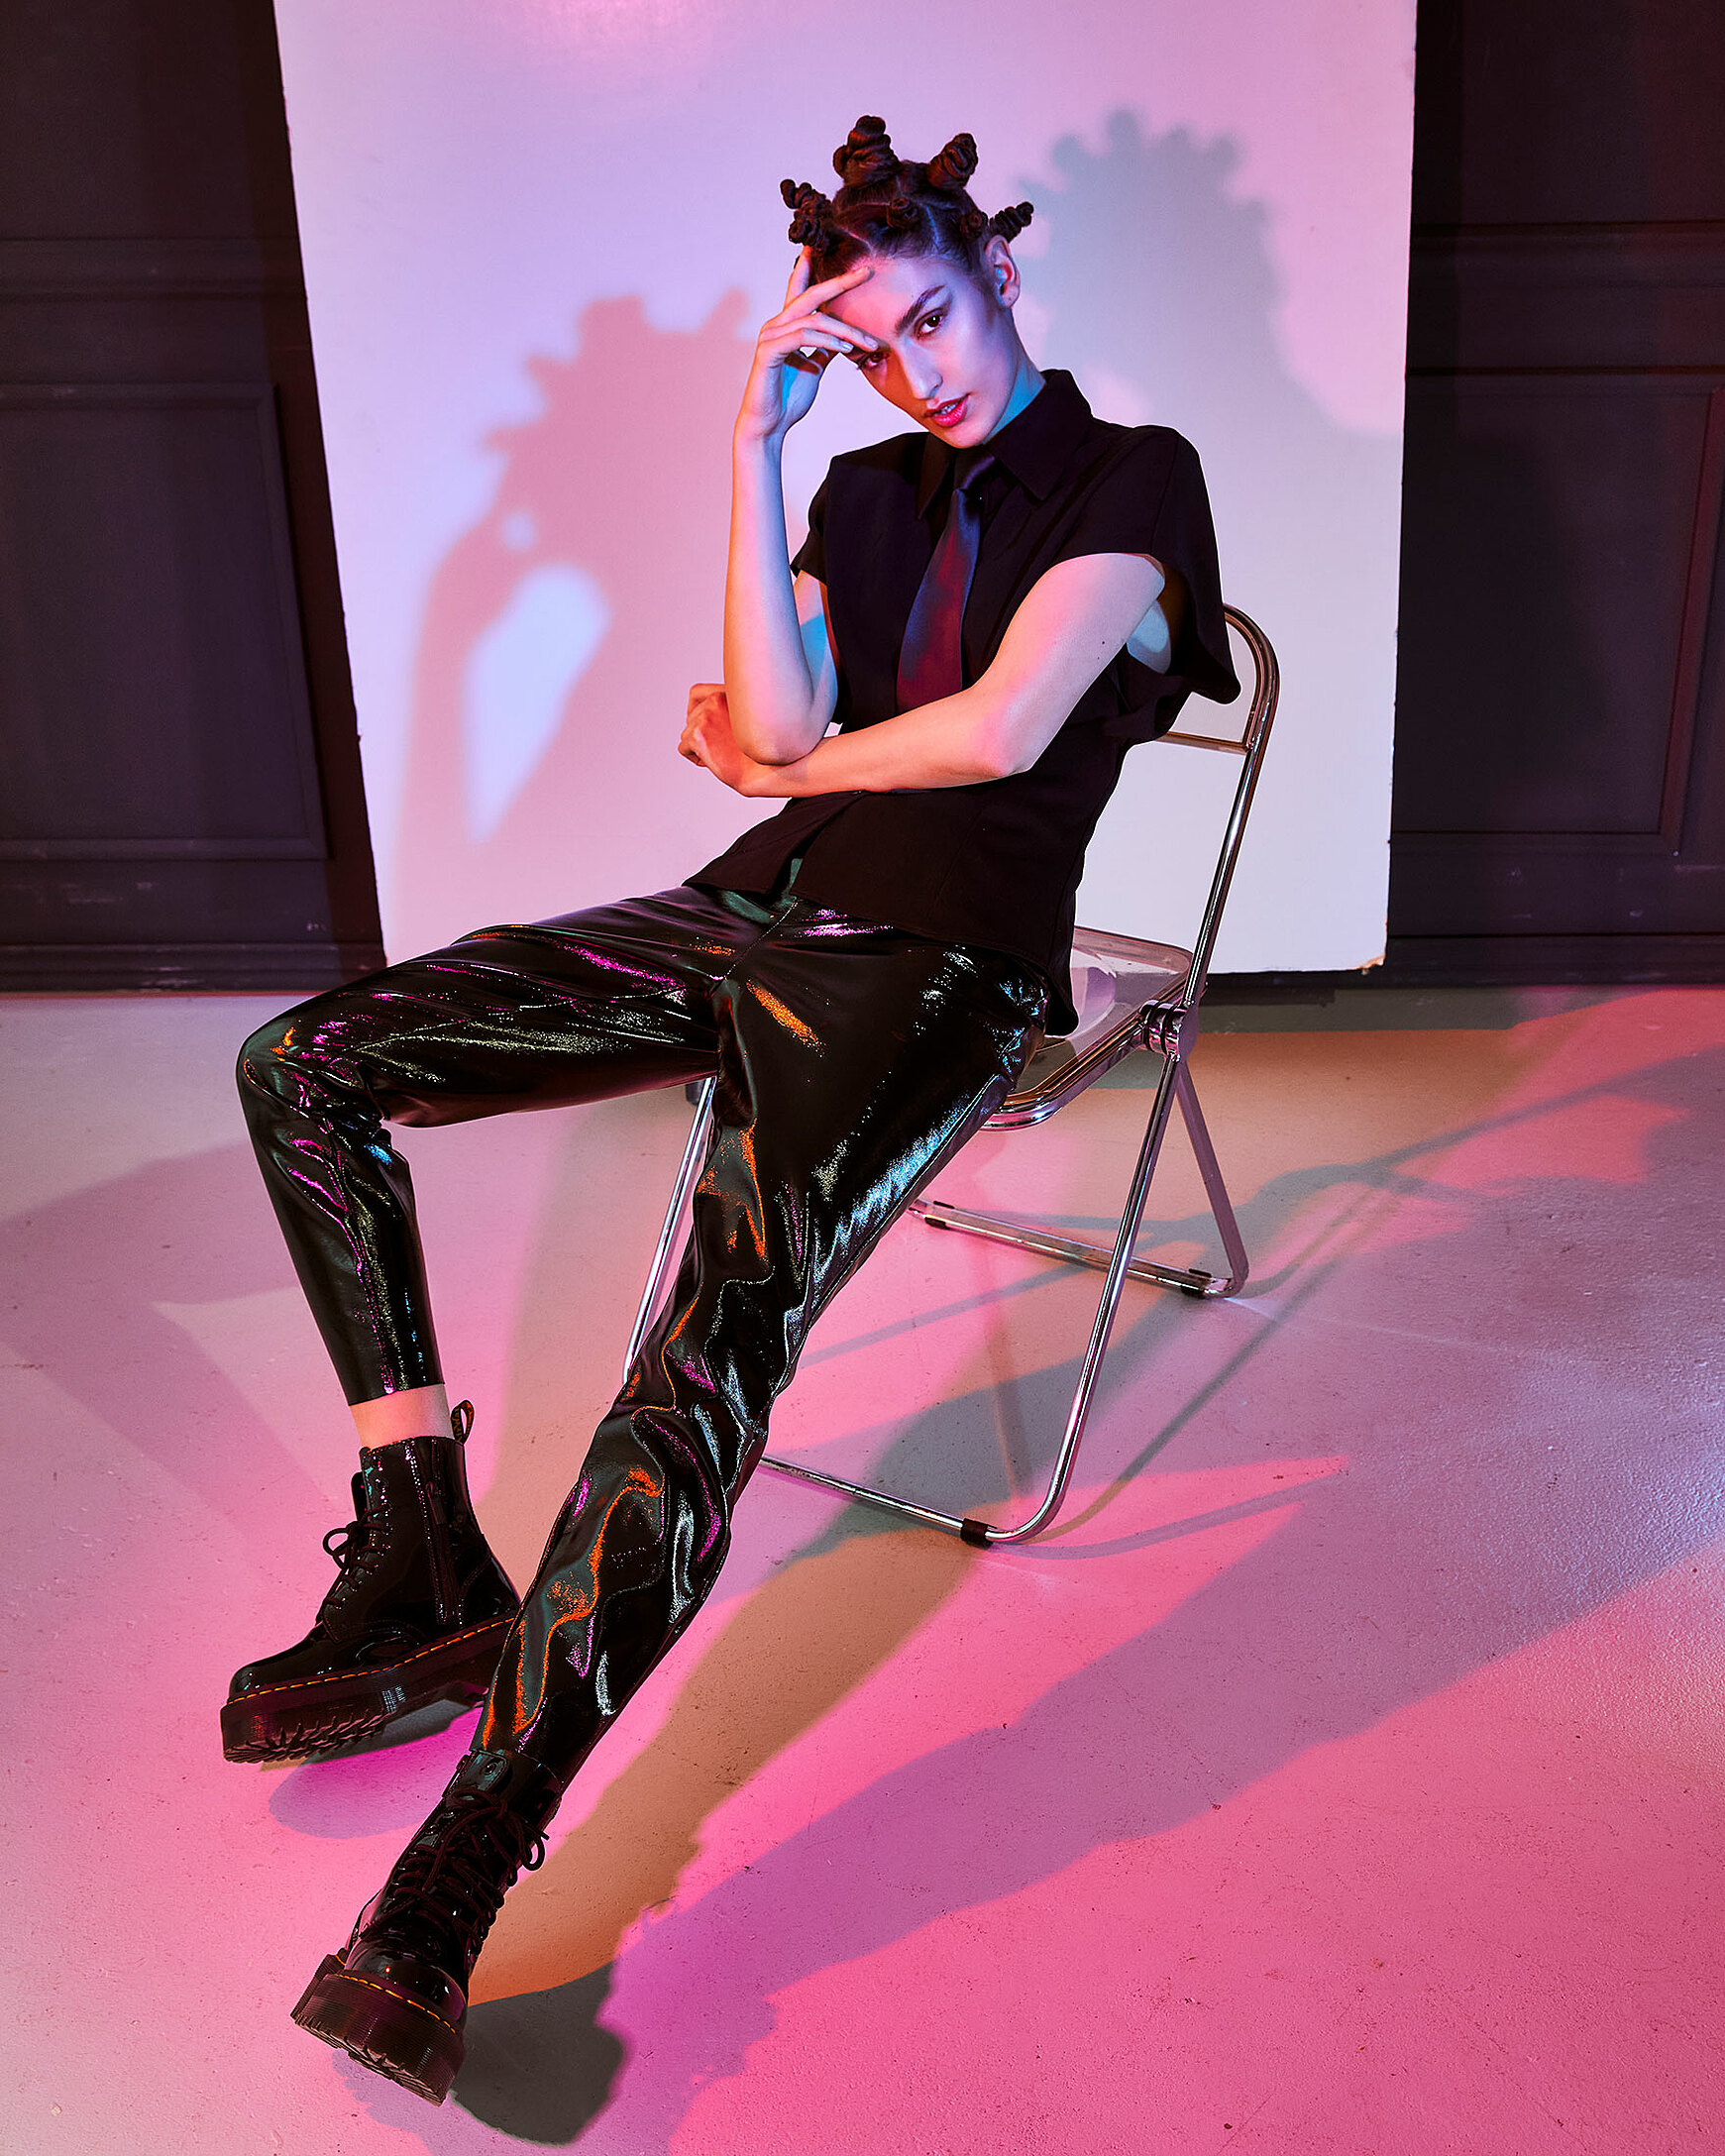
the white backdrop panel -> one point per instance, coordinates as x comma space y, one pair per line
538, 237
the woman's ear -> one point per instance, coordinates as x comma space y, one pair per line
1003, 271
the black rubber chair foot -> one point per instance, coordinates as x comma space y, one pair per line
382, 2029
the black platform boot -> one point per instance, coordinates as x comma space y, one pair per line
420, 1613
395, 1996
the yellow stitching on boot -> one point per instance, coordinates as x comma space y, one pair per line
383, 1668
348, 1977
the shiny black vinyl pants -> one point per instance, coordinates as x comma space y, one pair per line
851, 1059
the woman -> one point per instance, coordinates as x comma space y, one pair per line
986, 614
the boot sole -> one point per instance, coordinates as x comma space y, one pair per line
383, 2029
291, 1721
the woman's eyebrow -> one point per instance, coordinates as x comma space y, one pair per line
915, 308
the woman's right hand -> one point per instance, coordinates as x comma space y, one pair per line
794, 351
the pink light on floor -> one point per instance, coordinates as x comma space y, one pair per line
1342, 1779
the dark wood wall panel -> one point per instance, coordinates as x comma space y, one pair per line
1556, 805
1567, 112
1595, 480
120, 512
181, 799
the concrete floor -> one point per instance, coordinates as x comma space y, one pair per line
1343, 1776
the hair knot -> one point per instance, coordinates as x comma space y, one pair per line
865, 153
1005, 223
812, 218
950, 170
890, 205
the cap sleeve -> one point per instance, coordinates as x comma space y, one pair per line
1151, 499
811, 556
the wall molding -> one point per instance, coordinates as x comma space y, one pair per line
1529, 961
1648, 297
103, 270
231, 968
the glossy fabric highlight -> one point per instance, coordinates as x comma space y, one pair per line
851, 1060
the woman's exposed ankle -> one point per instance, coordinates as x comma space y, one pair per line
421, 1413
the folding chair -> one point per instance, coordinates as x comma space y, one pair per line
1153, 992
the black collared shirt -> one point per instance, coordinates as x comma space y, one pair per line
996, 863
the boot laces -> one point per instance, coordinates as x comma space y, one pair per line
346, 1545
454, 1863
355, 1546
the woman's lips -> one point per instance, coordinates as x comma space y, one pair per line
948, 414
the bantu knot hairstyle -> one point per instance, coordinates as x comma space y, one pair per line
812, 218
865, 153
889, 205
950, 170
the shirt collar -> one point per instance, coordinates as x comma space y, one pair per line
1036, 447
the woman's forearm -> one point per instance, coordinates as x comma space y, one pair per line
766, 673
958, 741
1066, 630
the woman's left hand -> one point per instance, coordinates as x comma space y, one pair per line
707, 740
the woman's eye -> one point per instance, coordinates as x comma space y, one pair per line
930, 321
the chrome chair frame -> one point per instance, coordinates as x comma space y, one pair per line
1160, 1014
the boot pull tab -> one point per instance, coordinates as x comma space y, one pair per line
461, 1420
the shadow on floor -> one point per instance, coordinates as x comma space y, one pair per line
1487, 1500
542, 2066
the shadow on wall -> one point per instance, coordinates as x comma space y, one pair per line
1160, 295
562, 632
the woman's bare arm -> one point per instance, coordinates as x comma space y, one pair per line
778, 676
1075, 618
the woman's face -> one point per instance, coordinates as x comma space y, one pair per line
949, 355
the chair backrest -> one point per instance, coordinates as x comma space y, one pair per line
1158, 977
1250, 748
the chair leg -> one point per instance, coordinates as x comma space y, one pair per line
983, 1532
1118, 1263
1215, 1189
1191, 1280
692, 1156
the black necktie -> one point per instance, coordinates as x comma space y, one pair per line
932, 658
